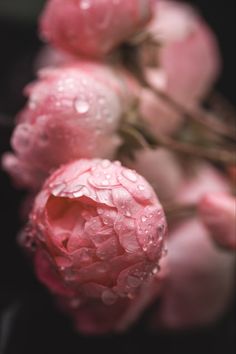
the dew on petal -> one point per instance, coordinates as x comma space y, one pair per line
133, 281
109, 297
155, 270
85, 4
130, 175
141, 187
81, 106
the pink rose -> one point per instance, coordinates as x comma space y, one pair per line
93, 28
218, 212
98, 230
72, 112
200, 283
188, 62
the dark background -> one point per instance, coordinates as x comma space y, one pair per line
29, 323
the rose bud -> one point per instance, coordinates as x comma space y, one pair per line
93, 28
218, 213
72, 112
98, 230
187, 60
201, 280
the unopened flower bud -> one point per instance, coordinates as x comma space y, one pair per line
93, 28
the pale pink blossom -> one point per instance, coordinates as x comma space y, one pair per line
218, 212
200, 284
73, 112
93, 28
98, 232
187, 62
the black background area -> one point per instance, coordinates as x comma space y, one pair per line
29, 322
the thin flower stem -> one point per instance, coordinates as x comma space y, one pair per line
224, 108
212, 154
199, 115
177, 211
144, 139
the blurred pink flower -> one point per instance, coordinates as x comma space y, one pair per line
161, 169
73, 112
157, 114
99, 233
93, 28
188, 62
200, 283
218, 212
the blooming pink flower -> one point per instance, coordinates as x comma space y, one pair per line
72, 112
93, 28
99, 232
200, 284
218, 212
187, 60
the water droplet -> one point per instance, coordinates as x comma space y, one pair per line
85, 4
105, 182
81, 106
105, 163
130, 175
131, 296
100, 211
133, 282
164, 252
141, 187
109, 297
105, 221
128, 213
143, 218
155, 270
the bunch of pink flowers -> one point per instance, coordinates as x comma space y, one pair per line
102, 147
